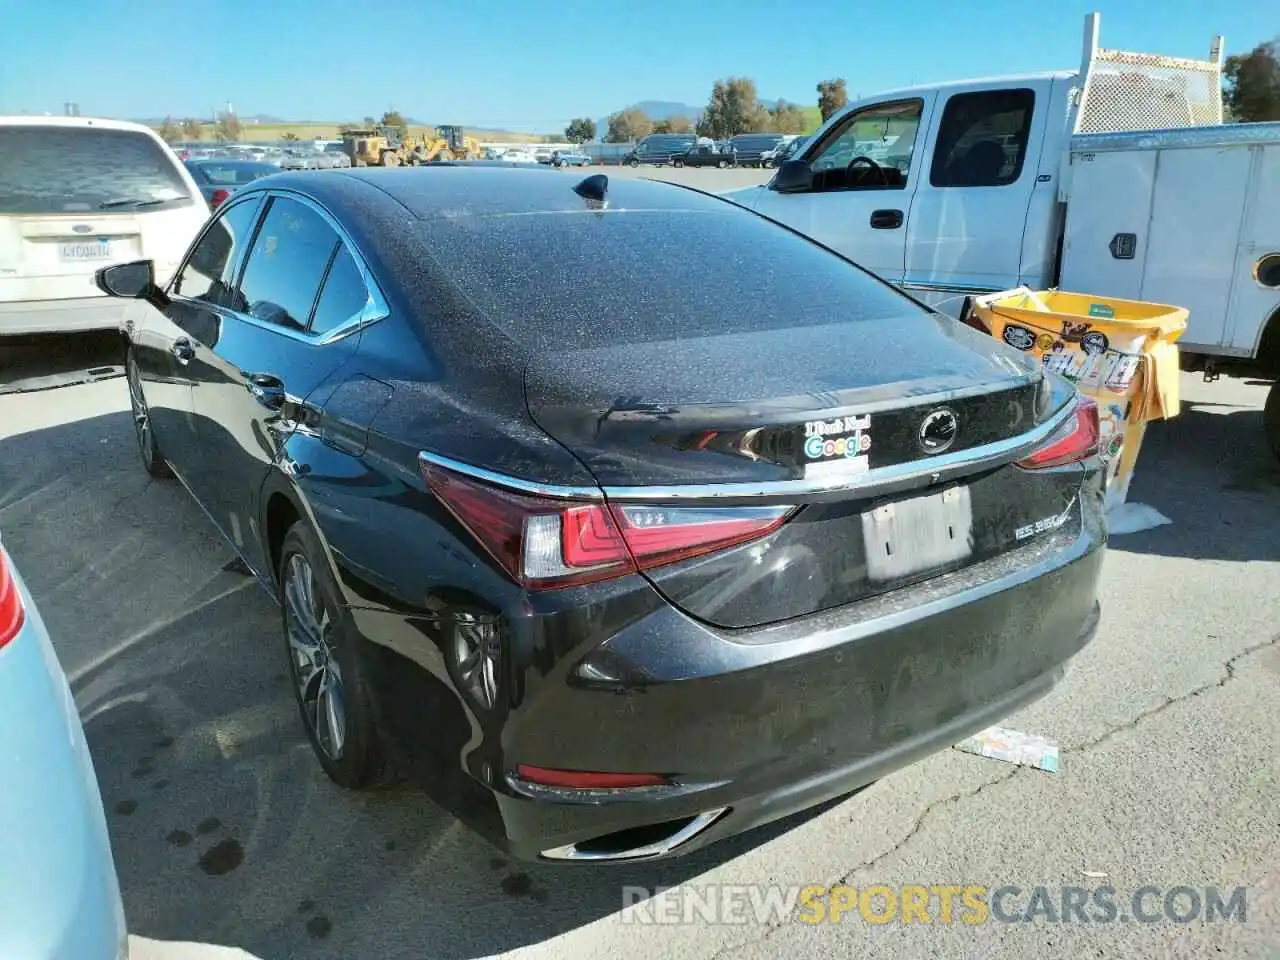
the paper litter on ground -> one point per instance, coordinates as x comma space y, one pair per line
1013, 746
1134, 518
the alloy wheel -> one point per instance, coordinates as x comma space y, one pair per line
477, 654
141, 416
316, 672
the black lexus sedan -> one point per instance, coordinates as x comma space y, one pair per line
567, 516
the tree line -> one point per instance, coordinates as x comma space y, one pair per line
734, 107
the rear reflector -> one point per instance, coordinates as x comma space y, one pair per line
587, 780
544, 542
219, 196
1075, 440
11, 613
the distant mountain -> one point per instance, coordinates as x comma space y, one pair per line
655, 110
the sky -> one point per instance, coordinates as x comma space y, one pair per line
532, 65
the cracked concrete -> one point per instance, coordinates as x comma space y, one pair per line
1167, 724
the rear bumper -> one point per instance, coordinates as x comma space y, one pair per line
765, 723
64, 316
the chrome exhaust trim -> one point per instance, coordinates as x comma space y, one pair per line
647, 852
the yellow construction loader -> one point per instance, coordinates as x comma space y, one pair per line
388, 147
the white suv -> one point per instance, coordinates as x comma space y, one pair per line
76, 194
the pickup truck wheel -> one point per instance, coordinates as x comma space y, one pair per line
677, 163
722, 164
633, 163
1271, 419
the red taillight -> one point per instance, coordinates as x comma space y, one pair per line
11, 613
218, 197
1075, 440
587, 780
544, 542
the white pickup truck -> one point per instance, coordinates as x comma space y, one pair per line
1117, 179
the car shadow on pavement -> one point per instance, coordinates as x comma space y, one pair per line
1210, 472
223, 826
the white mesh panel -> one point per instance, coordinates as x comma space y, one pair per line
1145, 91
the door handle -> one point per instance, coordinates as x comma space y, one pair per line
886, 219
183, 350
267, 389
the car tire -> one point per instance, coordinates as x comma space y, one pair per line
767, 164
722, 164
633, 163
153, 460
1271, 419
677, 163
328, 667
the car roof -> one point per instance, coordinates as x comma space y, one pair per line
100, 123
479, 188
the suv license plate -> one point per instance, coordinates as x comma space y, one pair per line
83, 250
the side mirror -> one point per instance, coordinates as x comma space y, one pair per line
129, 281
793, 176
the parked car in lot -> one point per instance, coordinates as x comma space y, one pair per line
301, 158
619, 607
789, 147
218, 179
659, 148
569, 158
59, 896
75, 193
706, 155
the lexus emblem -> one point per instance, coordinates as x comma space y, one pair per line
938, 430
82, 228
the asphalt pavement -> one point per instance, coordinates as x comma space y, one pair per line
225, 830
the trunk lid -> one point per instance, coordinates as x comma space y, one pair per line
761, 406
803, 413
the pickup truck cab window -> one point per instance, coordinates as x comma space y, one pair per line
982, 140
870, 150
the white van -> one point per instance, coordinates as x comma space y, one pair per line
76, 194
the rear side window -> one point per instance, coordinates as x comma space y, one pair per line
344, 294
85, 169
286, 264
982, 141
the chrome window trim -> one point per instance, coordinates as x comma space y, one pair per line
375, 307
866, 484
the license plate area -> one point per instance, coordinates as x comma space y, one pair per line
906, 537
85, 251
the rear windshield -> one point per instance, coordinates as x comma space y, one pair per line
584, 280
235, 174
79, 169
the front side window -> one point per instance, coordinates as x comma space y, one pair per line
290, 255
52, 169
871, 150
982, 140
208, 273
